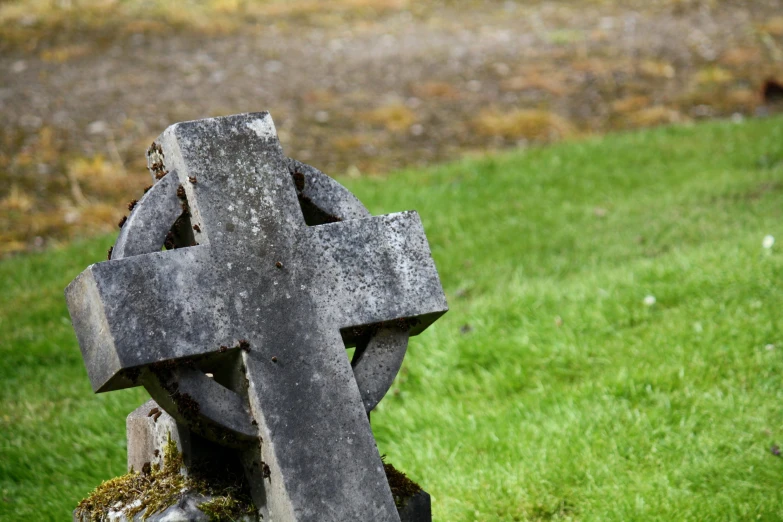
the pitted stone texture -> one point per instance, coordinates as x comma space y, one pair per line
323, 200
293, 292
142, 233
222, 415
148, 429
133, 312
376, 364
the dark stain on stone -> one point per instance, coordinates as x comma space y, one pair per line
153, 411
168, 243
197, 228
244, 345
192, 179
161, 369
186, 405
360, 335
157, 168
155, 147
122, 221
132, 374
279, 264
181, 192
108, 256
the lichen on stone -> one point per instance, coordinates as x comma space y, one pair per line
155, 488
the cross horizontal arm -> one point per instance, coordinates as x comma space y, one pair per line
145, 309
374, 270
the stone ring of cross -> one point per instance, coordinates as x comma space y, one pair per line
241, 252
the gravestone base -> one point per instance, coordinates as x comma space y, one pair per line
185, 510
150, 430
417, 508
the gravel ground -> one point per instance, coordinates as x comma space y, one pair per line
360, 95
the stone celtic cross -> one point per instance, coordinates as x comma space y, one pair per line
240, 331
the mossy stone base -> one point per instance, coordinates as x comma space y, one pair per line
415, 509
176, 476
185, 510
167, 493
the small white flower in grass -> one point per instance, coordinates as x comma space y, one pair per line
770, 347
768, 241
649, 300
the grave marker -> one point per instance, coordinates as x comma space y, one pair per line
277, 269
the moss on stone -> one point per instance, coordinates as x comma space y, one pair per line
156, 488
402, 487
225, 509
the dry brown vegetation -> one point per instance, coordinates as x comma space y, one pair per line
522, 125
359, 87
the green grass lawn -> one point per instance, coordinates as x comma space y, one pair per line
550, 390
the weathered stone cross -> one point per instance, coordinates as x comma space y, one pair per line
278, 298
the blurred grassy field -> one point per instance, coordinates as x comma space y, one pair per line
550, 391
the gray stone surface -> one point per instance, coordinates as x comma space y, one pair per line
418, 508
376, 363
267, 304
148, 429
142, 233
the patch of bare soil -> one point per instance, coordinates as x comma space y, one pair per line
357, 94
